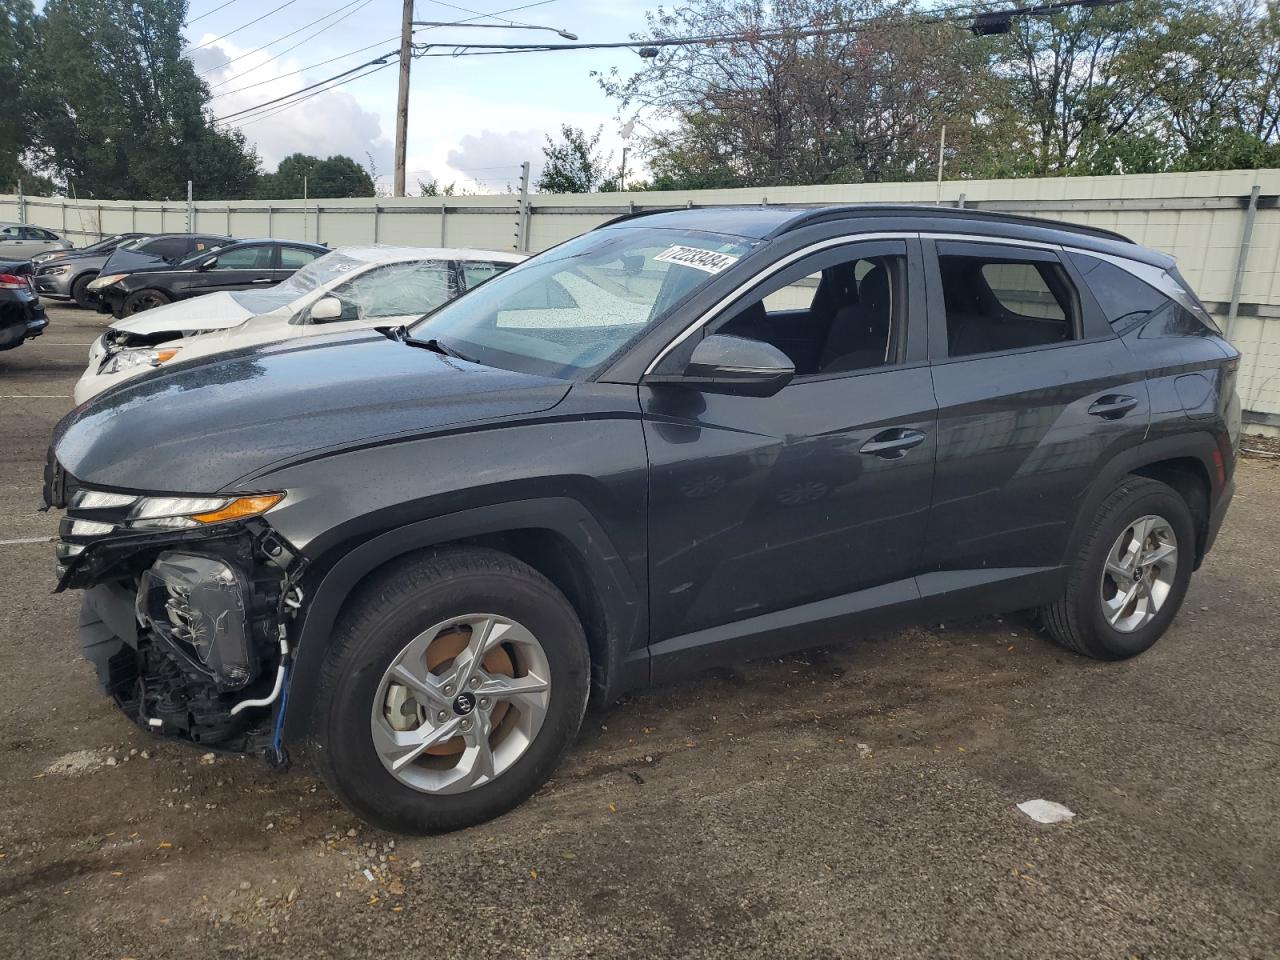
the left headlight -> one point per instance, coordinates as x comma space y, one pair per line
132, 357
99, 282
122, 510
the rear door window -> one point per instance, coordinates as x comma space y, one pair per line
995, 303
476, 272
293, 258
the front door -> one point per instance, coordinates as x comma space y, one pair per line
773, 518
241, 268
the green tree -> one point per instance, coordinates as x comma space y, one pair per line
574, 165
335, 177
126, 117
19, 53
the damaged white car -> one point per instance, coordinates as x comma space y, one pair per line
348, 288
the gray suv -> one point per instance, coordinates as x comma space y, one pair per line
408, 555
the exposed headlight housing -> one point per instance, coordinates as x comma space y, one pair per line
99, 282
133, 357
201, 605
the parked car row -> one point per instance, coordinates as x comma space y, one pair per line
408, 555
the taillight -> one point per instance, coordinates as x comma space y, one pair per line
9, 282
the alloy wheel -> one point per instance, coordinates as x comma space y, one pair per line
1139, 573
461, 703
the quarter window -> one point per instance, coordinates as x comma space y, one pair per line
995, 304
1125, 300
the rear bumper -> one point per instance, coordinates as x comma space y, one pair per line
21, 320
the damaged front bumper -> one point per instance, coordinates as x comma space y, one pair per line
187, 628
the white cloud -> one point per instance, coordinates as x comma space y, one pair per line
329, 122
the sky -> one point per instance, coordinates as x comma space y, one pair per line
472, 120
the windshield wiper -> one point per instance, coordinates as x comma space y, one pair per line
433, 344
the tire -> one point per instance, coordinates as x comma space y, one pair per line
388, 617
1082, 619
80, 291
141, 300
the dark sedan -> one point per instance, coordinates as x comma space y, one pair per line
237, 265
22, 316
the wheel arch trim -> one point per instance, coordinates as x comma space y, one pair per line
626, 658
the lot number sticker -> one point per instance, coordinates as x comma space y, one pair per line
706, 260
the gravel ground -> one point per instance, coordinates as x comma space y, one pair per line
858, 801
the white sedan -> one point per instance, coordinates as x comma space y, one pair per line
348, 288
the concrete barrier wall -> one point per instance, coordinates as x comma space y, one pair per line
1223, 227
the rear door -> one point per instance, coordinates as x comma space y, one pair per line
14, 245
1035, 392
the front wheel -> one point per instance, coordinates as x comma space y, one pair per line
452, 689
141, 300
80, 291
1128, 581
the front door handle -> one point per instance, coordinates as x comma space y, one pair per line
892, 444
262, 280
1113, 406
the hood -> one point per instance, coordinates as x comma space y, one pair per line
213, 311
127, 261
202, 427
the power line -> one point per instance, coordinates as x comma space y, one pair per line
289, 106
211, 12
244, 25
287, 36
349, 53
988, 18
337, 76
322, 63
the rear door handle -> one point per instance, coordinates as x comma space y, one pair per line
263, 280
1113, 406
893, 443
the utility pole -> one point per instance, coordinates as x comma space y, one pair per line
402, 101
942, 146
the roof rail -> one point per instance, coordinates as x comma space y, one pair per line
824, 214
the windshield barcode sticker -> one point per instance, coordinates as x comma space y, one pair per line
706, 260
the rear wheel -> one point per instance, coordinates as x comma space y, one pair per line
453, 687
80, 291
1131, 574
141, 300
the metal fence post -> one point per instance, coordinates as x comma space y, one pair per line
444, 207
191, 226
376, 212
522, 210
1251, 213
22, 203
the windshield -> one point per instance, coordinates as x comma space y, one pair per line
568, 311
107, 243
135, 243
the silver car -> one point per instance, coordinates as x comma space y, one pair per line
66, 274
22, 241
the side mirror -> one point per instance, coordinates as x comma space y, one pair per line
325, 309
737, 365
207, 264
